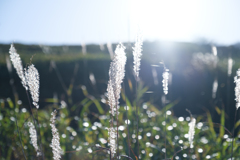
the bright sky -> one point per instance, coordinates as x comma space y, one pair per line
101, 21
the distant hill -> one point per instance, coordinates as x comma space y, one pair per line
94, 48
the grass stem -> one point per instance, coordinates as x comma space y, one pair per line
233, 133
36, 124
137, 118
165, 128
20, 137
117, 128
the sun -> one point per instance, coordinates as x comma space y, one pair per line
166, 20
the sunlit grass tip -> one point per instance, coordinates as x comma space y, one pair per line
17, 64
116, 75
237, 88
165, 80
32, 77
112, 140
55, 144
33, 137
137, 53
191, 131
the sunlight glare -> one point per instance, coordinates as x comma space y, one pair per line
167, 20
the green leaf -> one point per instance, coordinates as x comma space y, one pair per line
51, 100
218, 110
10, 103
69, 91
84, 90
237, 124
170, 105
130, 106
130, 84
221, 128
83, 102
98, 105
210, 123
140, 91
85, 107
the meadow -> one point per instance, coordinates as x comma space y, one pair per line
152, 122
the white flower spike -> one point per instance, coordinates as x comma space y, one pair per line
17, 64
237, 88
33, 136
112, 140
116, 75
32, 77
165, 81
191, 131
55, 145
137, 53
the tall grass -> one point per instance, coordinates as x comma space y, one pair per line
190, 139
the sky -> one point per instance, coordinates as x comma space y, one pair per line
58, 22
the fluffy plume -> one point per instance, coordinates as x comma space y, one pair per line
33, 136
84, 48
111, 99
9, 65
92, 78
112, 140
32, 77
110, 50
230, 64
17, 64
215, 87
101, 47
155, 75
137, 49
237, 88
55, 145
165, 81
116, 75
191, 131
214, 50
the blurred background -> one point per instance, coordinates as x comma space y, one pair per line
71, 44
